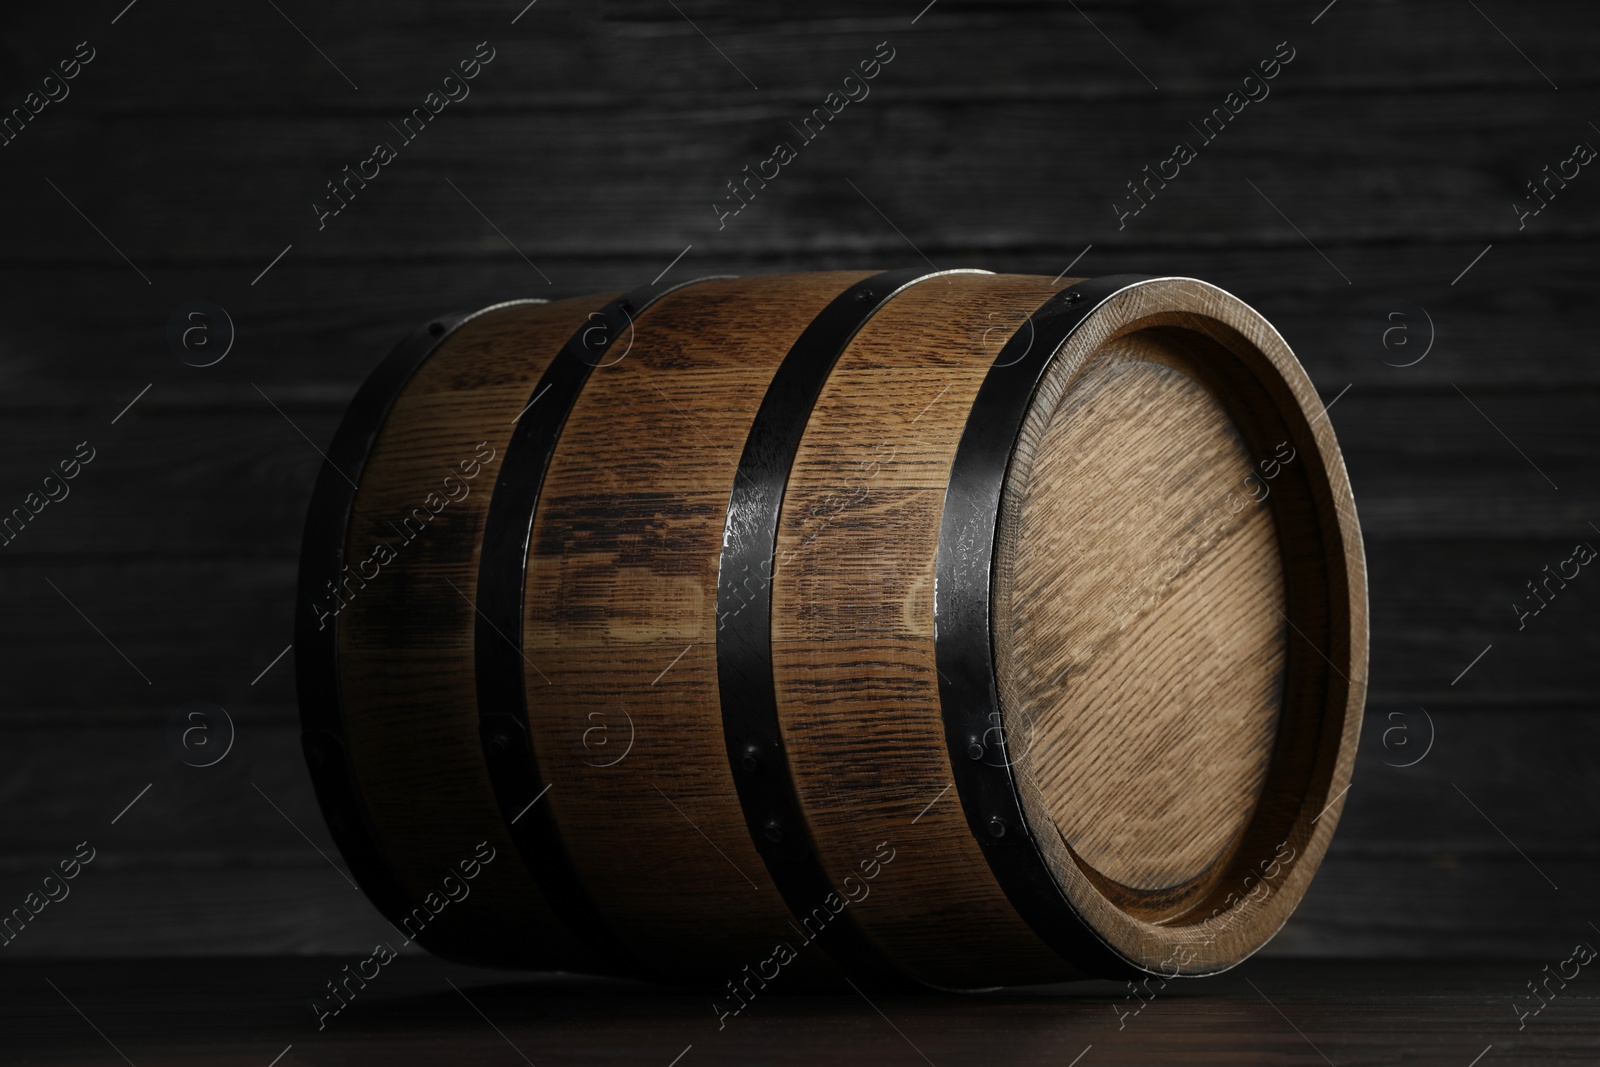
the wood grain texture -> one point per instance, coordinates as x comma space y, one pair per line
1217, 917
1147, 635
240, 1012
695, 155
1416, 459
594, 58
406, 669
207, 852
323, 335
621, 619
852, 629
1441, 600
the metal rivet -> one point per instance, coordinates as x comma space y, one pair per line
863, 294
1072, 297
752, 759
773, 831
500, 742
974, 749
436, 328
997, 826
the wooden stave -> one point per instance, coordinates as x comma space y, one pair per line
505, 690
467, 931
753, 725
322, 555
941, 910
694, 380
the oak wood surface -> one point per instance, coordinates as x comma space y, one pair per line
1515, 331
1258, 878
1148, 633
633, 52
1443, 598
245, 1011
405, 667
621, 619
852, 628
285, 162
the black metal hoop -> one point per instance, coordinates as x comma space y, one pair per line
963, 634
322, 564
750, 725
497, 639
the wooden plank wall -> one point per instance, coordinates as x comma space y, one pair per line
190, 149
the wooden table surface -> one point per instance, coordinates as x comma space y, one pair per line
421, 1011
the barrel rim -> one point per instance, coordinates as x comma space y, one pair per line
1064, 901
963, 641
324, 538
1242, 359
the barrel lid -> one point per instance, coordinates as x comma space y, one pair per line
1142, 622
1177, 625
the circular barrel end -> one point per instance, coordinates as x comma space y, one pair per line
1179, 626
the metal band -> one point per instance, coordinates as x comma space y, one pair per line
316, 634
750, 724
502, 581
963, 636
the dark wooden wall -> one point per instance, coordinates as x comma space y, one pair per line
596, 140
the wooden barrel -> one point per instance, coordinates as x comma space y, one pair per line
939, 629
